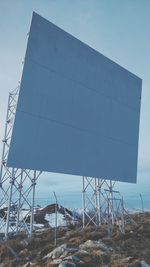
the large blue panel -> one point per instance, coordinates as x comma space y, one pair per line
78, 111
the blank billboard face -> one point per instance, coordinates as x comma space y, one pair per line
78, 112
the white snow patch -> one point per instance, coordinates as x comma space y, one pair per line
51, 218
40, 230
39, 225
3, 206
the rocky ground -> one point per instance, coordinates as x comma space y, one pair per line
79, 247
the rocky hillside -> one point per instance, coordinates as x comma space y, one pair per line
79, 247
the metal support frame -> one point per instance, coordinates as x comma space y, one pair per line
90, 201
102, 204
113, 207
5, 172
17, 186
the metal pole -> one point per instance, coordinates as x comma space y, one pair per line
9, 204
83, 201
122, 217
99, 202
32, 204
56, 203
4, 155
19, 201
111, 202
142, 203
95, 198
5, 135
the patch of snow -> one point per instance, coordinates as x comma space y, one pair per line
57, 252
24, 213
39, 225
41, 230
51, 218
78, 211
37, 208
3, 206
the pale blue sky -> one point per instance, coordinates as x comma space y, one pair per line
118, 29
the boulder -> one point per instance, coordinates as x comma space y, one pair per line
56, 262
90, 245
123, 262
57, 252
24, 253
67, 264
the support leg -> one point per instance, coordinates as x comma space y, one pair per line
32, 204
83, 202
9, 204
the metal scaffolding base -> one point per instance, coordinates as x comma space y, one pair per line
17, 186
102, 204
